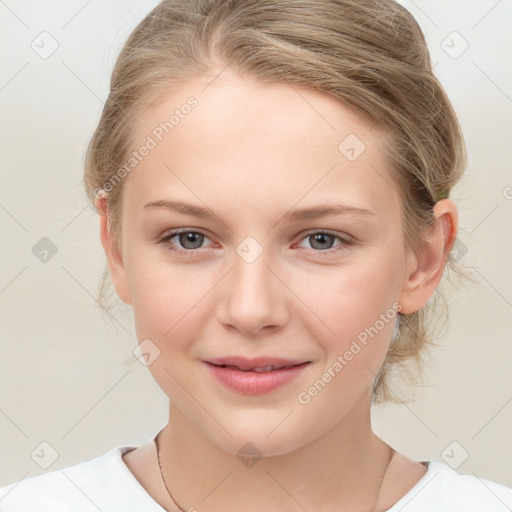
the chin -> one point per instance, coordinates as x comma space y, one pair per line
259, 439
259, 446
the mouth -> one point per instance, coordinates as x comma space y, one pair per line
255, 376
258, 364
262, 369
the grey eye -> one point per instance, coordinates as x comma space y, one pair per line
191, 239
321, 241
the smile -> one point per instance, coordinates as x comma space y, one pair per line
250, 379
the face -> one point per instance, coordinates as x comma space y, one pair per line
291, 251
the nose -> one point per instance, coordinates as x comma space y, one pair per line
253, 298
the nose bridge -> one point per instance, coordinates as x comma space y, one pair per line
252, 296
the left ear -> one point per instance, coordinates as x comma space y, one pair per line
426, 267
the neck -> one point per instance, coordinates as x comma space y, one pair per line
341, 470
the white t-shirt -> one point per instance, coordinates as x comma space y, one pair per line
106, 484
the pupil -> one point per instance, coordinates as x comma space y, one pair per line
191, 238
321, 238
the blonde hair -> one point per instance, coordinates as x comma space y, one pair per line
370, 55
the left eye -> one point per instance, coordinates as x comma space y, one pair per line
324, 240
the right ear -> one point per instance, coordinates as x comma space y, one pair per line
114, 255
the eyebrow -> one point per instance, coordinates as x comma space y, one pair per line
293, 215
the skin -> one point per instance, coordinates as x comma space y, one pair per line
251, 152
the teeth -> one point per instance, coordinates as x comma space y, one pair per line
264, 369
258, 370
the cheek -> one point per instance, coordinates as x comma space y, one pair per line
360, 309
169, 310
166, 298
345, 301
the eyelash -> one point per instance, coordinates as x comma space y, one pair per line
345, 243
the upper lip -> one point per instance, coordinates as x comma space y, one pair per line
245, 363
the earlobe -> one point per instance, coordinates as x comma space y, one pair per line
425, 268
114, 256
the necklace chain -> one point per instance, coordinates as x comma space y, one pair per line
391, 453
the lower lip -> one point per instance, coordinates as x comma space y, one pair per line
255, 383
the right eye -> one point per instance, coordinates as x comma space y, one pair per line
189, 240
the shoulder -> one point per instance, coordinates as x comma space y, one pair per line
443, 488
102, 483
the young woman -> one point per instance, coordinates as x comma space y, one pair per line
273, 181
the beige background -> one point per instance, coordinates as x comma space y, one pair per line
62, 376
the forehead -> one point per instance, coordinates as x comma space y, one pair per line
233, 140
